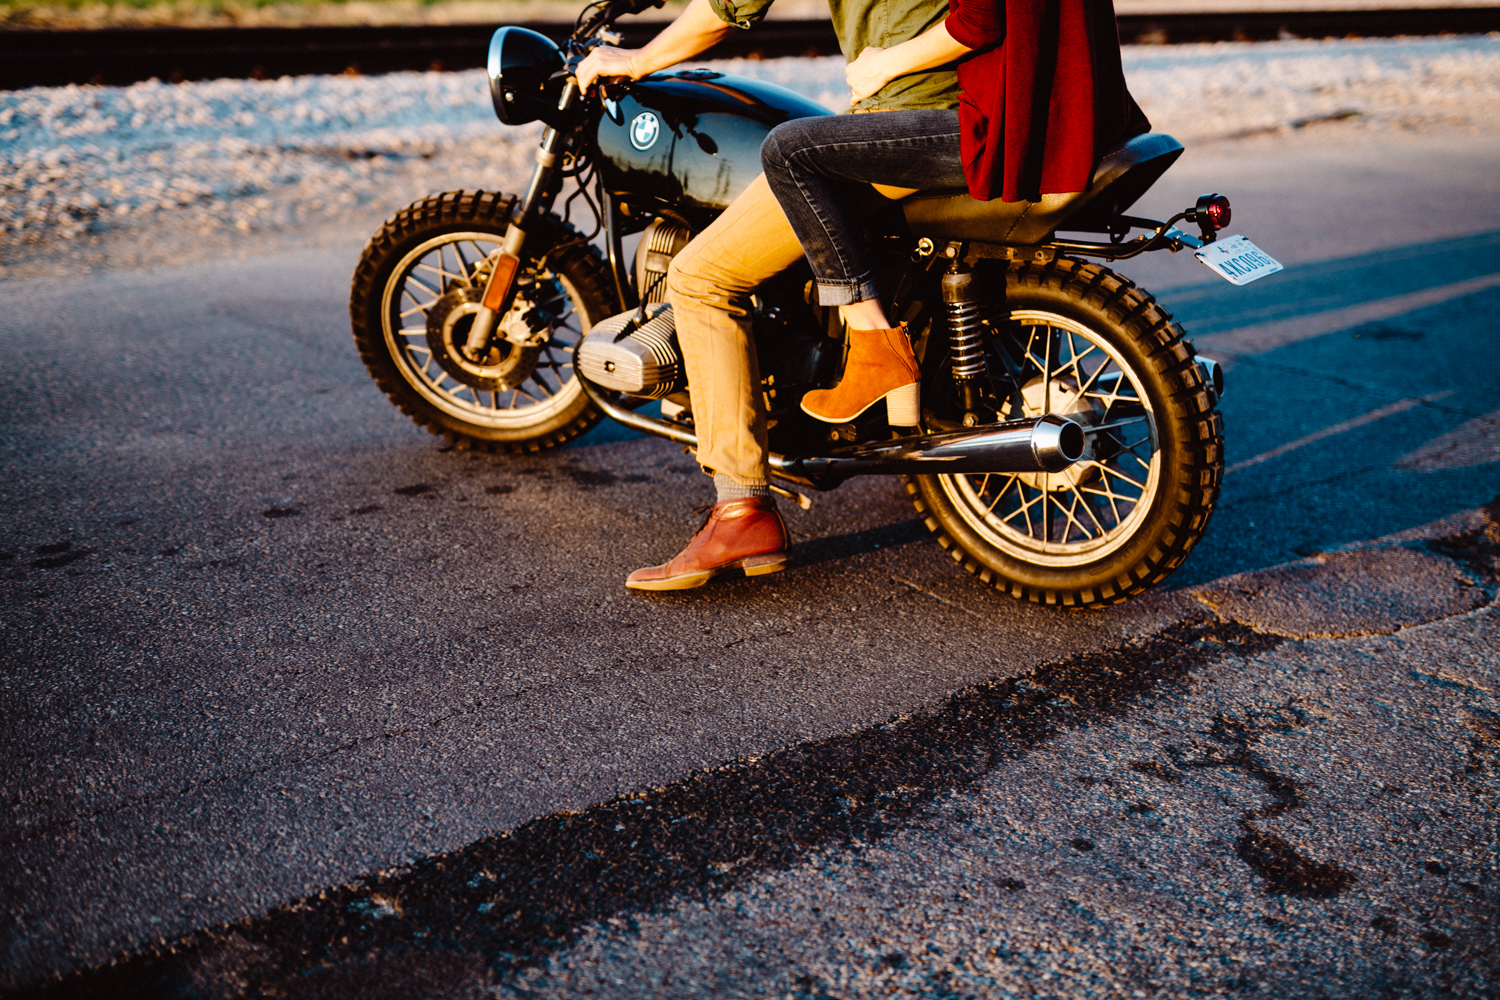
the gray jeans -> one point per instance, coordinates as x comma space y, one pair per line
821, 169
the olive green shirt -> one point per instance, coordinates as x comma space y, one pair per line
862, 23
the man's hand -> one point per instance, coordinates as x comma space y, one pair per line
877, 67
607, 62
867, 74
696, 30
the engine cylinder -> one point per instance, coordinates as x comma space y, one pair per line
660, 242
634, 352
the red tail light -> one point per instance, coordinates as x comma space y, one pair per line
1214, 210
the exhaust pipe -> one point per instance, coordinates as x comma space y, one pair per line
1044, 444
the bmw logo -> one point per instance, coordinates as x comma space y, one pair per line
644, 129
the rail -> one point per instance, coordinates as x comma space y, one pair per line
127, 55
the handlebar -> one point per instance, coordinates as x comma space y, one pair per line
609, 11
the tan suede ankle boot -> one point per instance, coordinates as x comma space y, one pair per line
880, 366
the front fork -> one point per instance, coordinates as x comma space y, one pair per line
499, 291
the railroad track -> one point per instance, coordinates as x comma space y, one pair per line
126, 55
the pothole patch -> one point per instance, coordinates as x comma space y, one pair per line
1374, 591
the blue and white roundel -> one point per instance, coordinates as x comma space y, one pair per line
644, 129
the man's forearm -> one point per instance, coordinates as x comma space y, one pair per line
695, 30
933, 48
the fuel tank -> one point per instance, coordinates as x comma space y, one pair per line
690, 141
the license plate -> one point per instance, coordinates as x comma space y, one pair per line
1237, 260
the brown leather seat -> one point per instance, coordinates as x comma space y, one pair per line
1122, 177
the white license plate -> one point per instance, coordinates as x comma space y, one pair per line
1237, 260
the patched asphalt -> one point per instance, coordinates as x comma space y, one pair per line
264, 638
1207, 810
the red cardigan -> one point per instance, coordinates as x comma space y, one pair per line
1044, 94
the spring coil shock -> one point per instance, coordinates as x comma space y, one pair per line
966, 339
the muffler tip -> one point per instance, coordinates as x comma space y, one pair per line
1070, 441
1056, 443
1213, 375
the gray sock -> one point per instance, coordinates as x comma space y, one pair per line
728, 489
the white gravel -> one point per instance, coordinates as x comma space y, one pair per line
77, 163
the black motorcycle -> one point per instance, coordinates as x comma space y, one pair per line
1069, 451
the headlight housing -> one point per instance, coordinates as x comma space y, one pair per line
521, 65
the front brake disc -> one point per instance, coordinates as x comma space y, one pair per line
500, 367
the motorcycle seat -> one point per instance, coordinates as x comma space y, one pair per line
1123, 175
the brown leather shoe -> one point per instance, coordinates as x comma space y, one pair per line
744, 534
880, 366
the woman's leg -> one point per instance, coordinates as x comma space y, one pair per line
866, 314
821, 170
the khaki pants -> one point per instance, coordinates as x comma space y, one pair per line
709, 286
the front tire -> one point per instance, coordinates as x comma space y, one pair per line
1089, 344
430, 256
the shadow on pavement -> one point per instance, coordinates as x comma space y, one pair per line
504, 903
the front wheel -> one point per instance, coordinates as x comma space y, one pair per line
412, 301
1079, 340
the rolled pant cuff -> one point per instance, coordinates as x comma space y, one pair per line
846, 293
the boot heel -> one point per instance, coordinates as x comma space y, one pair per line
903, 406
761, 565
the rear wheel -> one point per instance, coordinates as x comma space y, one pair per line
1085, 343
412, 302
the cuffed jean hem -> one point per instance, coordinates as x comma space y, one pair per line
846, 293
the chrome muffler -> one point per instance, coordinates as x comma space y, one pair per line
1043, 444
1212, 374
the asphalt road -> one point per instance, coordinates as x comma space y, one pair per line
265, 639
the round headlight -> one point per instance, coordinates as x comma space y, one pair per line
520, 66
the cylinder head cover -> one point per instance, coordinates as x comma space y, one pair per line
634, 352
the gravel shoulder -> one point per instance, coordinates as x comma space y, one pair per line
159, 173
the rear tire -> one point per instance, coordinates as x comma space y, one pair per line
1089, 537
435, 247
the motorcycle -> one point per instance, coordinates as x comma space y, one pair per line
1069, 450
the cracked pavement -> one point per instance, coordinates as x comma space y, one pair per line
299, 703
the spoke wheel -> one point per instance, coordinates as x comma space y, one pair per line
1073, 517
1084, 343
411, 305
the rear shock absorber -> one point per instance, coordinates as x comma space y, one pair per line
966, 336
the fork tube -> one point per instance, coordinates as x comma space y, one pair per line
543, 189
540, 194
